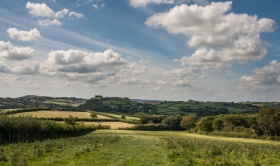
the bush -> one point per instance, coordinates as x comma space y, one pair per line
149, 127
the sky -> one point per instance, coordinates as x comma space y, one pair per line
205, 50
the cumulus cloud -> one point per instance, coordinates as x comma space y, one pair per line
31, 35
219, 36
143, 3
8, 51
50, 18
77, 15
49, 22
40, 10
78, 61
267, 75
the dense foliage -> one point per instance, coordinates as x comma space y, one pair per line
269, 121
26, 128
266, 123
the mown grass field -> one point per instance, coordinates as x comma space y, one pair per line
113, 125
61, 102
126, 117
121, 148
65, 114
62, 114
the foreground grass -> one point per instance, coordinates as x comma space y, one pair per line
119, 147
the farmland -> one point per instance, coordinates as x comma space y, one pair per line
118, 147
63, 114
81, 115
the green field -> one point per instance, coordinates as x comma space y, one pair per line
61, 102
173, 107
118, 147
119, 101
126, 117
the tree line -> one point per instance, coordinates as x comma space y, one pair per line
27, 128
266, 123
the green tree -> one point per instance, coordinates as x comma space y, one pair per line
206, 124
188, 122
173, 122
93, 115
70, 120
269, 121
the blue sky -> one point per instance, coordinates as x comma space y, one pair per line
146, 49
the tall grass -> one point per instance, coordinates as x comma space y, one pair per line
50, 151
200, 151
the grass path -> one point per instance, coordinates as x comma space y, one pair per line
130, 150
164, 148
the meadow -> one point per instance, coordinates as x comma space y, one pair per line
122, 147
63, 114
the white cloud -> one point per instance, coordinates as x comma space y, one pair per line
85, 62
50, 18
77, 15
220, 37
8, 51
143, 3
265, 76
95, 6
49, 22
26, 69
181, 73
132, 81
103, 5
89, 1
61, 13
182, 83
40, 10
150, 89
84, 66
31, 35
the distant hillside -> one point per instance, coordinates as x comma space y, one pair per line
117, 105
32, 101
144, 100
